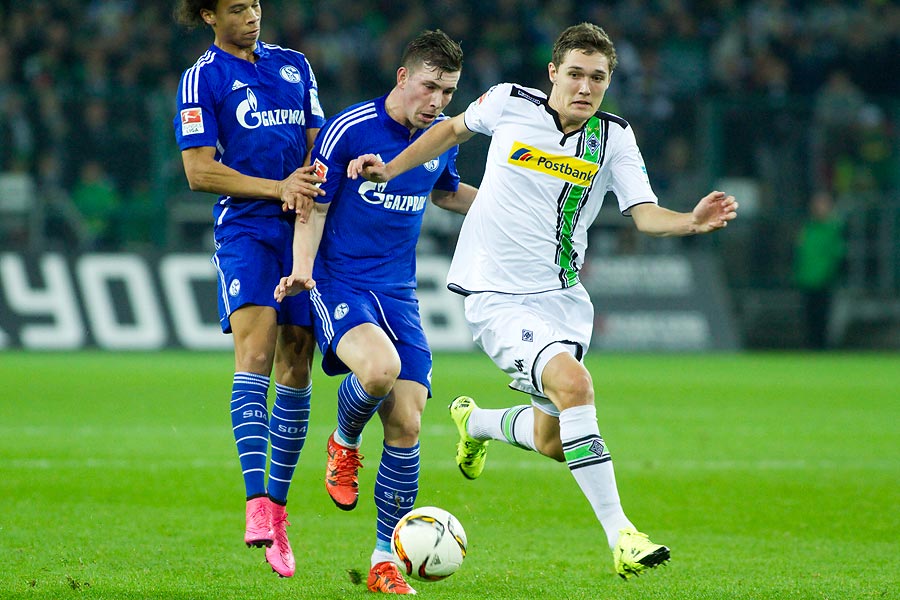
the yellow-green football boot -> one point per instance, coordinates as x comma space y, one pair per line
634, 553
470, 453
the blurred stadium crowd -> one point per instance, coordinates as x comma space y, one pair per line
792, 97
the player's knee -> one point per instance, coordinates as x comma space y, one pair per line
378, 378
254, 362
409, 430
576, 391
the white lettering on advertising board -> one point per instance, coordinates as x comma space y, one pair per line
114, 301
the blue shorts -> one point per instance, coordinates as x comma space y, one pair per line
338, 308
251, 258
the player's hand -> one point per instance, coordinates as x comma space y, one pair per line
714, 211
370, 166
299, 191
293, 285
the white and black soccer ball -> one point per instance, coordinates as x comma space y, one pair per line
429, 544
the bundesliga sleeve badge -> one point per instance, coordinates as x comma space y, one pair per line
191, 120
320, 168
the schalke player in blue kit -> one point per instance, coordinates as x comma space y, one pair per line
247, 113
364, 280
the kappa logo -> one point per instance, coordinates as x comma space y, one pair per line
341, 310
520, 365
525, 95
235, 288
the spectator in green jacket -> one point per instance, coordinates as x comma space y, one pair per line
818, 265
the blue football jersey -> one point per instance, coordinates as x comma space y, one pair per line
254, 114
372, 229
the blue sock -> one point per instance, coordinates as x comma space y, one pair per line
355, 408
249, 420
287, 431
396, 488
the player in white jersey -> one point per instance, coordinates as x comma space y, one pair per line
566, 176
551, 161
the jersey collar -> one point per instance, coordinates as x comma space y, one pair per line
556, 120
390, 123
261, 52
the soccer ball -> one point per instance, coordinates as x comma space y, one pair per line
429, 544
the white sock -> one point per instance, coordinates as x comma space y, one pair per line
380, 556
514, 425
592, 468
345, 442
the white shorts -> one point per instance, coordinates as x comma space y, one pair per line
522, 332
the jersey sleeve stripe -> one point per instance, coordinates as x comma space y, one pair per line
270, 46
342, 124
191, 82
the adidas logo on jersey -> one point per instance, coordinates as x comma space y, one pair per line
238, 84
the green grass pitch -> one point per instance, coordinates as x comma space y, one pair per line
768, 475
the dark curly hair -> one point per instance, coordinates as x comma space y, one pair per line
187, 12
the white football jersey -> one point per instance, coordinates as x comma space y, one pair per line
526, 232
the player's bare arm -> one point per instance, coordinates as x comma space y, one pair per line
206, 174
307, 236
310, 184
299, 191
713, 212
433, 143
458, 201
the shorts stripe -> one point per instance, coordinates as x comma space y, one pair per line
327, 326
222, 286
384, 317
